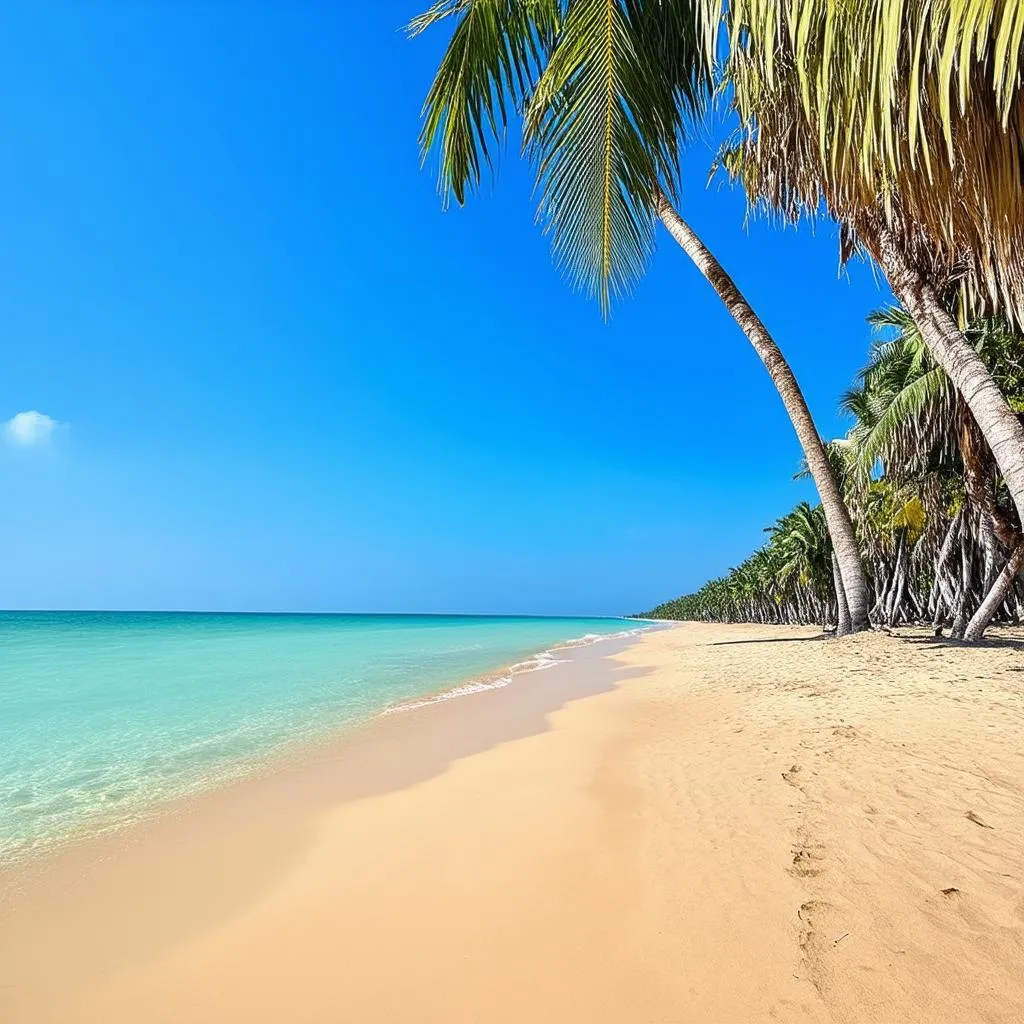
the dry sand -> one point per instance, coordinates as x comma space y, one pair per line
755, 825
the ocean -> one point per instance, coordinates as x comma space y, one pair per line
105, 714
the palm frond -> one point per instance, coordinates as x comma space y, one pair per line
609, 88
904, 417
492, 61
908, 113
595, 175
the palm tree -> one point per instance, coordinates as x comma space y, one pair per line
803, 542
787, 581
608, 89
906, 120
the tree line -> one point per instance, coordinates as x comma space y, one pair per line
937, 530
903, 122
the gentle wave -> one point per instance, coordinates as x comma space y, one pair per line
544, 660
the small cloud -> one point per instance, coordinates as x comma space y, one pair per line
29, 428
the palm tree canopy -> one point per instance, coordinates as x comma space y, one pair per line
493, 59
904, 112
605, 90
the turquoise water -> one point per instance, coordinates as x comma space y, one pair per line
104, 714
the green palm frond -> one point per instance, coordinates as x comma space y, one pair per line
607, 87
855, 402
901, 415
492, 61
801, 549
605, 124
675, 41
595, 175
893, 317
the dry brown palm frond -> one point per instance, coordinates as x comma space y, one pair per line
907, 114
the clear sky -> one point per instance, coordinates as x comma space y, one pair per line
272, 374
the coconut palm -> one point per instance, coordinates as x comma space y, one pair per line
787, 581
906, 121
806, 553
608, 90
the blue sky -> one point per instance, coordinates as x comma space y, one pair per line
281, 377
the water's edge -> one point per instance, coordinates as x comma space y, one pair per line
547, 658
259, 761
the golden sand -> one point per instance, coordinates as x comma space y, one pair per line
755, 825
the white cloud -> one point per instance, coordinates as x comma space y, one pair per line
29, 428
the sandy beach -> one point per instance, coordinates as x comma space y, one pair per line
719, 824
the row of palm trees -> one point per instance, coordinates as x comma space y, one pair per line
936, 527
902, 120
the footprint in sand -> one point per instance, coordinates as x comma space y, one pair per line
803, 864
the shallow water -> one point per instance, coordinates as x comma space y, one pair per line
103, 715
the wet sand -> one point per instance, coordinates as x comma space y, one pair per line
721, 824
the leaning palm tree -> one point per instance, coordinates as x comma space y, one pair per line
607, 89
906, 120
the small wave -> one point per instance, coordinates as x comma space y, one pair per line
456, 691
538, 663
593, 638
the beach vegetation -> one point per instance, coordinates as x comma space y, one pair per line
903, 124
606, 93
937, 528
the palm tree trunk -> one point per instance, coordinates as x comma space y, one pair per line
840, 526
959, 627
918, 614
997, 595
950, 349
880, 583
979, 483
843, 625
989, 548
943, 597
899, 579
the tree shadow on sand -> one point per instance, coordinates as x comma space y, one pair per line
996, 643
775, 640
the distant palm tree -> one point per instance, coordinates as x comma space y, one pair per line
787, 581
608, 91
806, 553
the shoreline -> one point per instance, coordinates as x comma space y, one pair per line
507, 674
178, 848
712, 823
258, 763
309, 755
